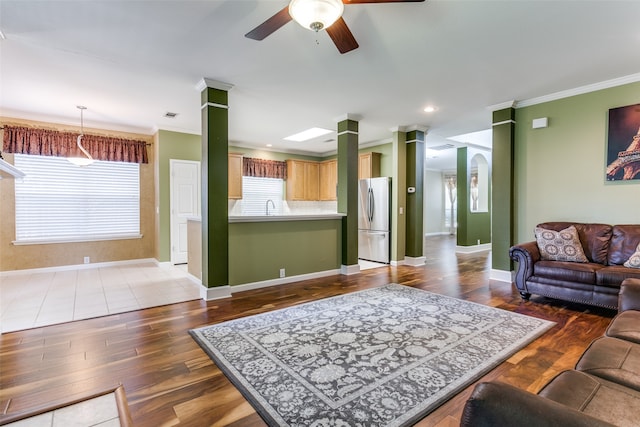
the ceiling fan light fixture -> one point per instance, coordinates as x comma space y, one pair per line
316, 15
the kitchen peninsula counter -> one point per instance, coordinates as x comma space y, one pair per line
288, 217
264, 249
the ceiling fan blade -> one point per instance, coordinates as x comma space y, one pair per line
270, 25
341, 36
380, 1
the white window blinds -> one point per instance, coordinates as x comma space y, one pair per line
58, 201
256, 192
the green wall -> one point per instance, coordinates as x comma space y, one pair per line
386, 158
258, 250
472, 226
560, 170
171, 145
184, 146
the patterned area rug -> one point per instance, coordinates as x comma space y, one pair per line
381, 357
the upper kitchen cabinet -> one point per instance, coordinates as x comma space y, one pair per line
235, 176
369, 165
302, 180
328, 180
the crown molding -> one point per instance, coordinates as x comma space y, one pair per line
7, 115
421, 128
207, 82
348, 116
632, 78
502, 105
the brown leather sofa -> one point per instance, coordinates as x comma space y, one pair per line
596, 282
602, 390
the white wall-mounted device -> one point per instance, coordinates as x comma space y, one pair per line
542, 122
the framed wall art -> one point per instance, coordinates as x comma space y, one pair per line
623, 144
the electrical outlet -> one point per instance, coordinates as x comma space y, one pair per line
282, 272
478, 242
87, 260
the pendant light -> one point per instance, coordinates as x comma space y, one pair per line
81, 161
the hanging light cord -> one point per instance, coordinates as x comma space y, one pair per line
86, 153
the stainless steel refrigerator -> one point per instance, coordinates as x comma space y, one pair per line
374, 219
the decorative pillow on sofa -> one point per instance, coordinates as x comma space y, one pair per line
561, 245
634, 260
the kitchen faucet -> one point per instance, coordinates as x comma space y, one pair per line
267, 207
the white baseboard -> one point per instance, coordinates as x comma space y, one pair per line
473, 249
217, 292
77, 267
348, 270
501, 276
396, 263
438, 233
415, 261
282, 281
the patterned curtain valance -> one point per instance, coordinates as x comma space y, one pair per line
46, 142
264, 168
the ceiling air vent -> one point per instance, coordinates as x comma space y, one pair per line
441, 147
170, 115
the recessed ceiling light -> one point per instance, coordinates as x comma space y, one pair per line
269, 145
429, 109
170, 115
308, 134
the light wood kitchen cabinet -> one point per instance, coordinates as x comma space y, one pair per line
369, 165
311, 181
302, 180
295, 180
328, 180
235, 176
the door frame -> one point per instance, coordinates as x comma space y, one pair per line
173, 197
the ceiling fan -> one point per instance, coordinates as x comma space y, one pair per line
317, 15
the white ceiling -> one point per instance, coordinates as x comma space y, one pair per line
130, 62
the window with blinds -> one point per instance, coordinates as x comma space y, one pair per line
256, 192
60, 202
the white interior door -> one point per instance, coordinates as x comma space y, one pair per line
185, 203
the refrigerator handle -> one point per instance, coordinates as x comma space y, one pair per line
371, 205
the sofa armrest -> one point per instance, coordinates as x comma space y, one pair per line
629, 296
497, 404
525, 254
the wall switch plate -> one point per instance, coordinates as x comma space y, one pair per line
282, 274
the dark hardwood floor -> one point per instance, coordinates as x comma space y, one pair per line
169, 380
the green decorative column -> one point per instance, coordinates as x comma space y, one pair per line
215, 210
414, 245
348, 190
462, 196
502, 200
398, 194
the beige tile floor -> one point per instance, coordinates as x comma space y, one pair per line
34, 299
97, 412
367, 265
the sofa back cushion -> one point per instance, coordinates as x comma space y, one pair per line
595, 238
624, 242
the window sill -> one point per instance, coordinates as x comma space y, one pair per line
76, 239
